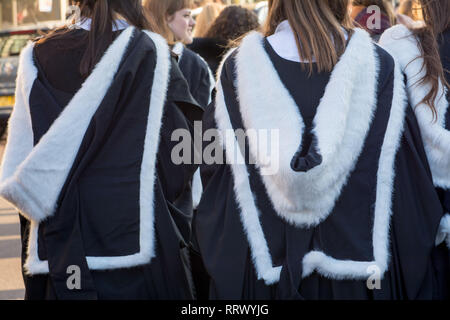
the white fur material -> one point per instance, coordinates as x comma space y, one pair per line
43, 172
178, 49
403, 46
248, 211
341, 125
444, 231
329, 146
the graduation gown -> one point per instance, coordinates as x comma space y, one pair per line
92, 176
201, 85
435, 129
343, 198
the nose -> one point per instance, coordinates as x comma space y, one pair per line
192, 22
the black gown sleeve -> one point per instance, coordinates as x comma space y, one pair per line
415, 259
217, 215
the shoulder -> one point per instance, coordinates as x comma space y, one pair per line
401, 43
386, 65
194, 59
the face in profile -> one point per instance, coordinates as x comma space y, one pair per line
181, 24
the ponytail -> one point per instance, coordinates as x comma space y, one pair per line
99, 38
100, 35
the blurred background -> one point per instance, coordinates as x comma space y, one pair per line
23, 20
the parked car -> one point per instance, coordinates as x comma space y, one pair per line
12, 42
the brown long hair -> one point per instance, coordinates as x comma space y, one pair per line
385, 6
160, 10
318, 25
436, 14
100, 37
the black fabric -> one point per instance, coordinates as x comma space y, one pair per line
212, 50
347, 232
444, 51
98, 208
196, 73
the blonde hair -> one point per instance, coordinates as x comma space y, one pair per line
206, 18
159, 11
411, 8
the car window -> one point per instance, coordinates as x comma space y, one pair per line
13, 44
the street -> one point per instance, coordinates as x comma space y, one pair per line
11, 282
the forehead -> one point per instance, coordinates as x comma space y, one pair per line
185, 10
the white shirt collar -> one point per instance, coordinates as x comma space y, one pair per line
283, 42
85, 24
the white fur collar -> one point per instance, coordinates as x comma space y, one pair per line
317, 260
178, 49
32, 178
85, 24
401, 43
341, 124
284, 44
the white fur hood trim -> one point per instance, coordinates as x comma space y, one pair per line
249, 213
341, 124
400, 42
444, 231
32, 178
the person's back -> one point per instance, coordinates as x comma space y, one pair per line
88, 161
326, 194
423, 54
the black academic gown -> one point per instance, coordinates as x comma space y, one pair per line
201, 84
444, 51
210, 49
435, 128
128, 239
254, 250
197, 74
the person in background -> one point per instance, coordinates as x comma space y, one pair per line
364, 17
423, 53
324, 190
206, 18
232, 23
88, 160
176, 24
411, 9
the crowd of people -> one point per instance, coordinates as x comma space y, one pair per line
340, 188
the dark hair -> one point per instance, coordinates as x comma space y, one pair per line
436, 14
100, 37
318, 25
232, 23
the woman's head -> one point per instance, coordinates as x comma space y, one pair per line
320, 27
232, 23
436, 14
173, 18
206, 18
